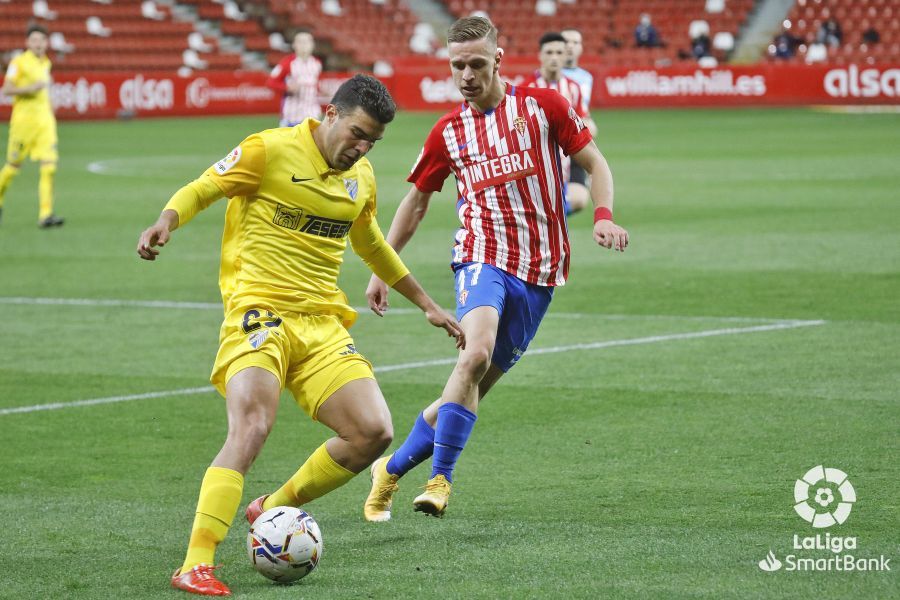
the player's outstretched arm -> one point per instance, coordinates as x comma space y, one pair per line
181, 208
157, 234
437, 316
406, 221
606, 232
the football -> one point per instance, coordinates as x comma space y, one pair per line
284, 544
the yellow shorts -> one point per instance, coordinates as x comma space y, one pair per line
34, 139
311, 355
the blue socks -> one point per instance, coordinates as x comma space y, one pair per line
418, 446
454, 425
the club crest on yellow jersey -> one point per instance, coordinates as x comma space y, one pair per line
352, 187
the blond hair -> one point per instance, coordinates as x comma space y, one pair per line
470, 29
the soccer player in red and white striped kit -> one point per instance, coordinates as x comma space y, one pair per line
552, 55
504, 145
297, 78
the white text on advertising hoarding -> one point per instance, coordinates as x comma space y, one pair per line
869, 83
147, 94
201, 92
439, 91
716, 83
80, 95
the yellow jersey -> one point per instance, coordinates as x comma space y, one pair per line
27, 69
288, 219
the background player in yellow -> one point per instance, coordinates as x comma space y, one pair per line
295, 195
32, 126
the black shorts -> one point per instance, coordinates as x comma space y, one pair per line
577, 174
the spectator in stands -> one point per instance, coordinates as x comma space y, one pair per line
32, 125
701, 46
297, 78
871, 36
645, 34
830, 33
785, 44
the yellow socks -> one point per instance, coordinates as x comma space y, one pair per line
6, 176
318, 476
220, 496
45, 191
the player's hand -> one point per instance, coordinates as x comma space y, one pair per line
610, 235
441, 318
377, 296
157, 235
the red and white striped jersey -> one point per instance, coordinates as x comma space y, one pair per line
569, 89
509, 180
305, 103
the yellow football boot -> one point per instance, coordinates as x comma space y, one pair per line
434, 499
378, 504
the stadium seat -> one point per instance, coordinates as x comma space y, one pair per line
95, 27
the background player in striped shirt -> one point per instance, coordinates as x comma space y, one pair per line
579, 182
295, 196
553, 54
503, 144
296, 77
32, 125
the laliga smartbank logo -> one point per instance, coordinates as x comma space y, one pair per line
815, 497
824, 497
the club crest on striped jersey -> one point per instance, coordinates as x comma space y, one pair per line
520, 124
224, 165
352, 186
500, 170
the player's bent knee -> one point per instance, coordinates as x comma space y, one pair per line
375, 437
475, 361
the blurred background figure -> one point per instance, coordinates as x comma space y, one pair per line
645, 34
830, 33
297, 78
32, 125
785, 44
553, 55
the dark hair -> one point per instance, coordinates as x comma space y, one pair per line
469, 29
36, 28
551, 36
368, 93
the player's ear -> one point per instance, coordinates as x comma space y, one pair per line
331, 113
497, 58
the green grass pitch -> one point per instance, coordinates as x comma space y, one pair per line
647, 446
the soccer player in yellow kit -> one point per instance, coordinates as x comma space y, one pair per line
295, 195
32, 126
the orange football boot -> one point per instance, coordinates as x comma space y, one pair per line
255, 508
200, 580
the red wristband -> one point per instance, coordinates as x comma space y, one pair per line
601, 212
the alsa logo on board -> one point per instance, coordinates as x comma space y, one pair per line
147, 94
868, 83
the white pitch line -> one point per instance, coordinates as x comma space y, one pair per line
110, 400
442, 361
362, 310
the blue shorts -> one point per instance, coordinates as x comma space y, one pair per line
521, 307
